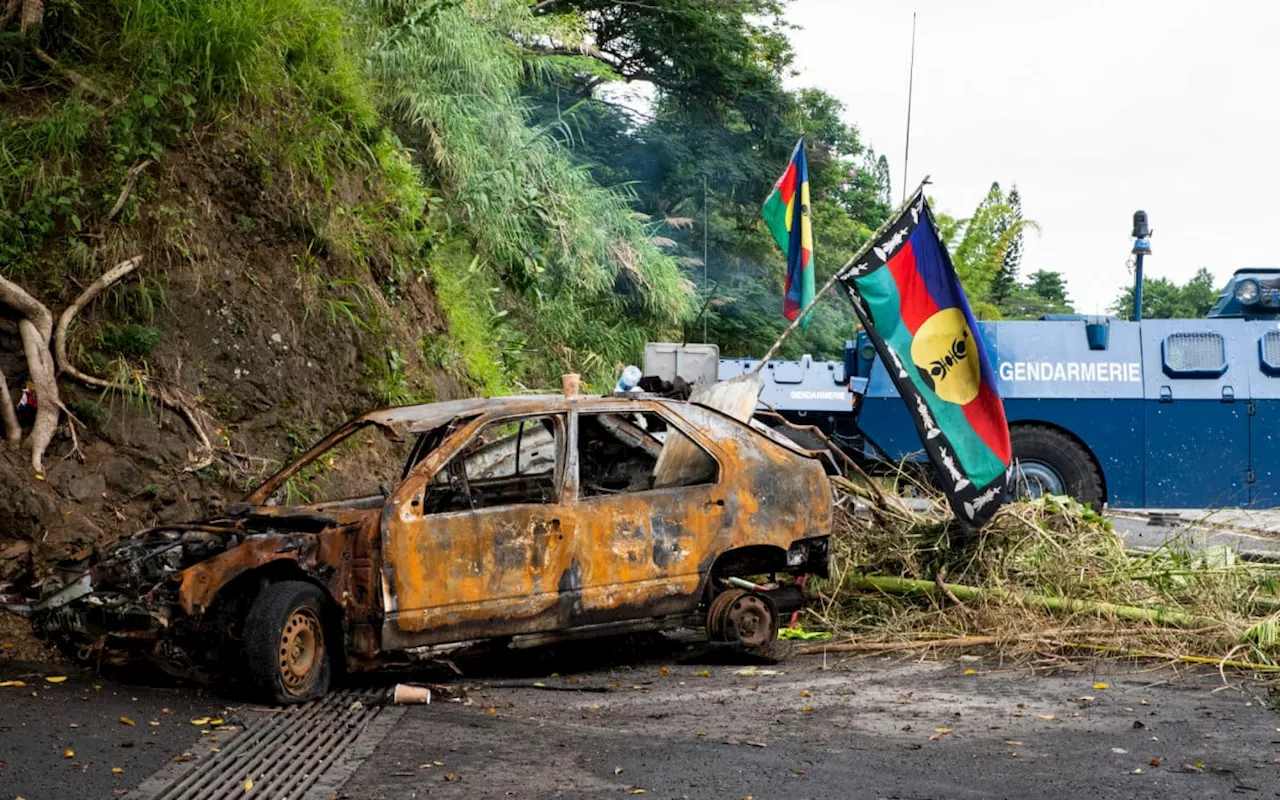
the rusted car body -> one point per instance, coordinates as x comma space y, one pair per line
519, 519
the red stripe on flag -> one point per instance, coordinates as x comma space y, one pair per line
787, 183
986, 416
913, 295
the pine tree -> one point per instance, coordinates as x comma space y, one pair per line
1006, 282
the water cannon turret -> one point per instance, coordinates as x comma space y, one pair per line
1141, 248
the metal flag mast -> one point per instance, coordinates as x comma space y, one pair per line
911, 79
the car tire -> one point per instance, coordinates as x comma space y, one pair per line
1038, 446
286, 653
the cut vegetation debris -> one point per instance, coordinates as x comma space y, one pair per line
1046, 575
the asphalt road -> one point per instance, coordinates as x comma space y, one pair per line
68, 739
677, 720
676, 726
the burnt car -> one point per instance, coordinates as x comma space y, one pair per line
410, 531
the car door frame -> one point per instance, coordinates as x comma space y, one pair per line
622, 571
420, 609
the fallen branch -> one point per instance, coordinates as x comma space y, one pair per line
12, 431
963, 641
1217, 662
1072, 605
129, 183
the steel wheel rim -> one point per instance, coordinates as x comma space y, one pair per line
751, 621
300, 652
1037, 479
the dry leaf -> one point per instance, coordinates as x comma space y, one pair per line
248, 785
55, 678
617, 770
216, 721
117, 770
73, 725
1101, 686
1143, 701
806, 710
200, 721
127, 721
18, 684
1155, 762
491, 710
942, 730
153, 723
637, 790
1088, 698
970, 672
68, 753
702, 673
1013, 742
806, 693
450, 777
663, 670
1045, 716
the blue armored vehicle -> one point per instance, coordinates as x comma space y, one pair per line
1145, 414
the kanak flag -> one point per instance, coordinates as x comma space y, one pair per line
786, 212
908, 298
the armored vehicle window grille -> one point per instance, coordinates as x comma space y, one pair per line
1195, 355
1270, 352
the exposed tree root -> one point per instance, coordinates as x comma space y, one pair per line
12, 431
36, 328
166, 396
72, 76
45, 349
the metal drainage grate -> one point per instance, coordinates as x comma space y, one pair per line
285, 755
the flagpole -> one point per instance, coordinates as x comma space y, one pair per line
911, 81
862, 251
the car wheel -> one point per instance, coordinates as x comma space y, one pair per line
285, 650
1048, 461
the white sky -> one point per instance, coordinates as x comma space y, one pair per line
1093, 108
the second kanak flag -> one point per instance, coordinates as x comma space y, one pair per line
909, 300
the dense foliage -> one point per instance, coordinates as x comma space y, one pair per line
561, 220
1164, 299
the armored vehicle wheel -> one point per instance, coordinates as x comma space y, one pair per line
284, 643
1048, 461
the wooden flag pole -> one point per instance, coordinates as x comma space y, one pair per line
862, 251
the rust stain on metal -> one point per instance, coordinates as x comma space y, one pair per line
527, 515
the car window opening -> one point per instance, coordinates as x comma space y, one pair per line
507, 462
622, 453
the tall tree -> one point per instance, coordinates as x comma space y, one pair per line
1006, 280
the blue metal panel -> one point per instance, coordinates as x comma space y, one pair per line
1197, 451
1264, 423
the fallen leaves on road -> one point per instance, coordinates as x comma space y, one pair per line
17, 684
617, 770
55, 678
750, 672
970, 671
127, 721
1155, 762
68, 753
703, 673
1100, 686
806, 693
248, 785
1045, 716
117, 770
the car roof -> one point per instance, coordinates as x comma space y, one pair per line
428, 416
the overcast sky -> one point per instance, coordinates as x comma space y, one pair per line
1092, 108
